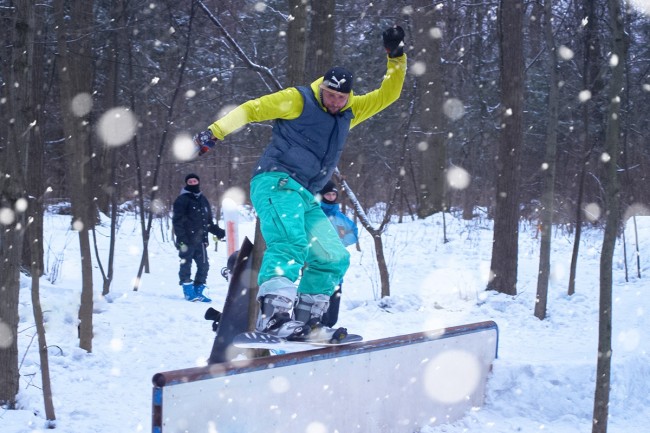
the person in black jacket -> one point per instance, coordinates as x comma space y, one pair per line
192, 220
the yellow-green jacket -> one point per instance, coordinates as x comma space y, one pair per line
302, 145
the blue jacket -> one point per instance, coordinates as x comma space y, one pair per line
344, 226
309, 147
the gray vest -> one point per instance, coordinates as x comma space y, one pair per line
309, 147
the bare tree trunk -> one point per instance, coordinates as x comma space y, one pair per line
11, 240
548, 196
297, 42
578, 223
34, 232
106, 185
86, 306
107, 275
136, 155
111, 248
375, 232
42, 341
75, 77
13, 198
321, 38
433, 150
381, 264
612, 138
35, 151
506, 221
474, 149
589, 81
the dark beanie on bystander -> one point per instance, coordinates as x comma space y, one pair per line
192, 176
329, 187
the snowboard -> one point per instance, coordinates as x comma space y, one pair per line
260, 340
233, 319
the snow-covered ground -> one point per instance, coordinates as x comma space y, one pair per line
543, 379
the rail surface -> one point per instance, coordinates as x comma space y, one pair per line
396, 384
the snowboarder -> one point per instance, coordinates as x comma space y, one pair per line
311, 126
192, 221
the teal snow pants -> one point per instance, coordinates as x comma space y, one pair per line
298, 235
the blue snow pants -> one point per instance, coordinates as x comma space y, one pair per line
298, 235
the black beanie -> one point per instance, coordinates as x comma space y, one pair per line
338, 79
192, 175
329, 187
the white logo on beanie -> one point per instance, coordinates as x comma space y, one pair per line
335, 82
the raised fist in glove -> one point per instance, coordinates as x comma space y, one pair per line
205, 141
394, 41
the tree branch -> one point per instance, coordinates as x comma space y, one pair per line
263, 71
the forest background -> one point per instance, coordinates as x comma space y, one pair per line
177, 66
527, 110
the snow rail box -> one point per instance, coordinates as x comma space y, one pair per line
392, 385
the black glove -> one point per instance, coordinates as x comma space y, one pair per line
219, 232
215, 316
205, 141
394, 41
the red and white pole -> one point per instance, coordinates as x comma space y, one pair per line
231, 217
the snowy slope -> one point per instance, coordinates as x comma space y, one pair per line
543, 379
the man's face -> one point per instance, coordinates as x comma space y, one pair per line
334, 101
192, 181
